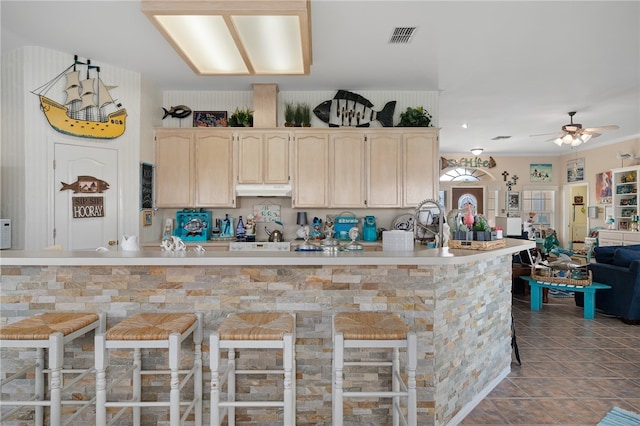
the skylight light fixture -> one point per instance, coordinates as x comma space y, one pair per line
236, 37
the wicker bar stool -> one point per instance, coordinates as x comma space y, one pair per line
367, 330
269, 330
151, 331
48, 334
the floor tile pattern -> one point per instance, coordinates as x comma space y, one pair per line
573, 370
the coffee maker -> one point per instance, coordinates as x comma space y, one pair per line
369, 230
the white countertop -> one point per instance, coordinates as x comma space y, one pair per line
420, 256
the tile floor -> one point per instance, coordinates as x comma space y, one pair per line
573, 370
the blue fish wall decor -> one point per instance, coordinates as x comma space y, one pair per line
349, 109
180, 111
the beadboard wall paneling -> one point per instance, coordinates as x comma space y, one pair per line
230, 100
12, 147
33, 67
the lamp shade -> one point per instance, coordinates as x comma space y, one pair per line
302, 218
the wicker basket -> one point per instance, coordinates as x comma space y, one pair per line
477, 245
560, 280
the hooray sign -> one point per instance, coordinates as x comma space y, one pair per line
85, 207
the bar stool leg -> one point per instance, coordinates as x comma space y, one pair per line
39, 386
197, 362
337, 379
137, 384
56, 355
214, 364
231, 386
101, 380
289, 395
395, 385
174, 393
412, 365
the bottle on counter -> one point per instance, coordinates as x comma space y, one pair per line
240, 230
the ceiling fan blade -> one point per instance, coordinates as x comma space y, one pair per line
592, 134
555, 138
592, 129
547, 134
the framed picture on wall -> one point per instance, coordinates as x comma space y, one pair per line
210, 119
513, 201
575, 170
603, 188
540, 172
623, 225
147, 217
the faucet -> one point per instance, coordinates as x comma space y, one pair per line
417, 224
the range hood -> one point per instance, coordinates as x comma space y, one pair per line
263, 190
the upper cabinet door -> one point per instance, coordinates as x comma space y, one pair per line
420, 167
347, 167
250, 159
383, 170
276, 157
311, 170
263, 157
174, 171
214, 183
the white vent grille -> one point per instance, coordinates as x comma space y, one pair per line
402, 35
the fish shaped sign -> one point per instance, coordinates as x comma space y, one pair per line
86, 184
349, 109
180, 111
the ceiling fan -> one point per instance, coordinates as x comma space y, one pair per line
573, 134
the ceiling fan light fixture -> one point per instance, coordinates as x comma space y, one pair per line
558, 141
477, 151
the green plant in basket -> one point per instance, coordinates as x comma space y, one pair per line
415, 117
289, 115
241, 118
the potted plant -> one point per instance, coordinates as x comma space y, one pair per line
289, 115
415, 117
297, 116
241, 118
306, 115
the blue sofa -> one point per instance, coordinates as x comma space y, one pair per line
619, 267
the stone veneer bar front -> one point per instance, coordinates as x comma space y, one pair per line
457, 301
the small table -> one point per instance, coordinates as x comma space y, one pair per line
588, 290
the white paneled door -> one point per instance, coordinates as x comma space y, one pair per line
86, 197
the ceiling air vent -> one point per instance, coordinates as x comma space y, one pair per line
402, 35
497, 138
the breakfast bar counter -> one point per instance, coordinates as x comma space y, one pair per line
457, 301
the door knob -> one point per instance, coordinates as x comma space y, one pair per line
113, 242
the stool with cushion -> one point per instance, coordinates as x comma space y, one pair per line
151, 331
370, 330
270, 330
48, 334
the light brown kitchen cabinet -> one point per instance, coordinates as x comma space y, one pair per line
347, 168
311, 169
420, 171
194, 168
263, 157
383, 156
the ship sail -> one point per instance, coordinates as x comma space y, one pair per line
87, 106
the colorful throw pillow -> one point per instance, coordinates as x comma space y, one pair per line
623, 257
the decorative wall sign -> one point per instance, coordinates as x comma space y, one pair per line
147, 217
575, 170
603, 188
540, 172
266, 212
86, 184
87, 207
210, 119
146, 186
180, 111
467, 162
85, 109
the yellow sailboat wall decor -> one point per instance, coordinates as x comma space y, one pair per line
86, 110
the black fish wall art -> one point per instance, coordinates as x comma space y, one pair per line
180, 111
348, 109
